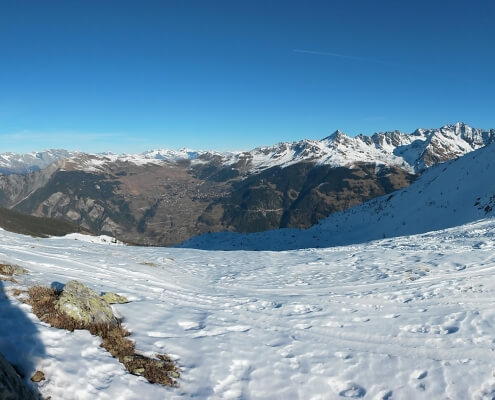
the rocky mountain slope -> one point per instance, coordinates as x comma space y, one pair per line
164, 197
447, 195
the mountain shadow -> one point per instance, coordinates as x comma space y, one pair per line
20, 341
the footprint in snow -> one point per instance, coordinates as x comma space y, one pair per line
190, 325
221, 331
419, 374
417, 378
343, 355
302, 309
486, 392
383, 395
235, 383
360, 319
347, 389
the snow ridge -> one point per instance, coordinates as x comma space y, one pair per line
13, 163
414, 152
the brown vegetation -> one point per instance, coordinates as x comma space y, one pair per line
115, 338
9, 269
17, 292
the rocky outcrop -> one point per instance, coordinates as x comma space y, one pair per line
11, 385
113, 298
85, 305
38, 377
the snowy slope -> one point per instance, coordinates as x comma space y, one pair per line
22, 163
404, 318
413, 152
444, 196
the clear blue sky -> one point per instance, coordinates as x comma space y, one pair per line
134, 75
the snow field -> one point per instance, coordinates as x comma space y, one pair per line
404, 318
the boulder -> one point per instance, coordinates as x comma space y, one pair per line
85, 305
11, 385
113, 298
38, 376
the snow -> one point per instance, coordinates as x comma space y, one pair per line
446, 195
90, 238
409, 318
403, 150
22, 163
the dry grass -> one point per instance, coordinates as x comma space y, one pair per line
149, 264
16, 292
6, 269
9, 270
115, 338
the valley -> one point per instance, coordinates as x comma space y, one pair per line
166, 197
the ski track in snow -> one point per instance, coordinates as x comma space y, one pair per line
404, 318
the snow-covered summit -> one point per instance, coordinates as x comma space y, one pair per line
22, 163
414, 152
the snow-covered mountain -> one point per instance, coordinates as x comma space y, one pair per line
13, 163
414, 152
164, 197
446, 195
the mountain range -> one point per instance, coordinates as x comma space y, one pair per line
165, 197
457, 192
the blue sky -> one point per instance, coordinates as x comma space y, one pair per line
126, 76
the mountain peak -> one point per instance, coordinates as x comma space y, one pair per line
338, 134
458, 127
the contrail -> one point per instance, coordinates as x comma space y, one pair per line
338, 55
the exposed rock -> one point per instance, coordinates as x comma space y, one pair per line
57, 199
38, 376
11, 385
96, 212
9, 269
83, 304
73, 215
110, 227
113, 298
